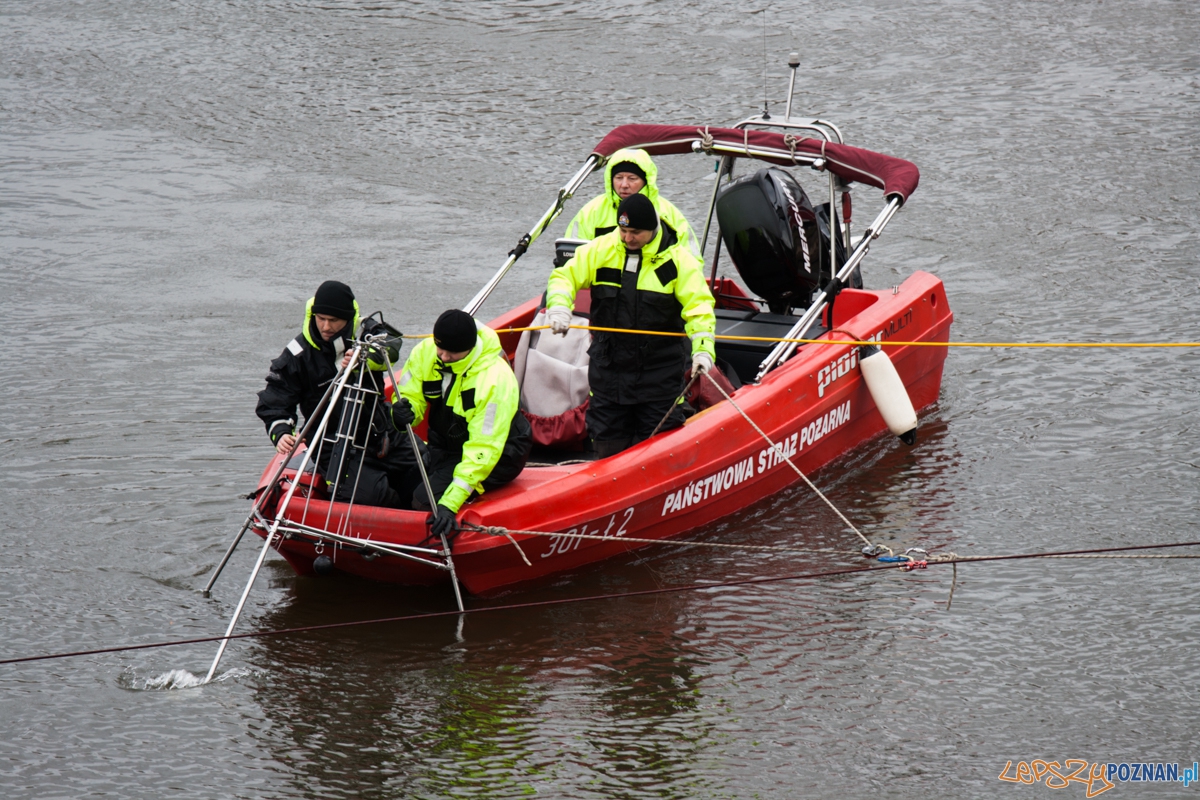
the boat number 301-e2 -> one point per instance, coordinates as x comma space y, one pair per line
565, 542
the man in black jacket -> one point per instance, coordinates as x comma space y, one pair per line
299, 378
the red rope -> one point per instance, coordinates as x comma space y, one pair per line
567, 600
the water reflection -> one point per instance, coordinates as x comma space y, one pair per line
523, 696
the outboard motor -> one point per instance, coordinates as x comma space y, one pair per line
777, 239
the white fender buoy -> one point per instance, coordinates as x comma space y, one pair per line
888, 392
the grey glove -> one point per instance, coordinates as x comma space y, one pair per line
701, 363
559, 318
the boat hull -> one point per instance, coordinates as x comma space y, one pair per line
816, 407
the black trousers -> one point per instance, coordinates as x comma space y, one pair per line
621, 425
387, 481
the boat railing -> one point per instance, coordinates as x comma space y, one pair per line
823, 128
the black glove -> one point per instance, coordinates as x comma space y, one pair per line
402, 413
442, 522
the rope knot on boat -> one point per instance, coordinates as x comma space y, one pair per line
490, 530
496, 530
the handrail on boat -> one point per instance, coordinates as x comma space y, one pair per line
564, 194
821, 127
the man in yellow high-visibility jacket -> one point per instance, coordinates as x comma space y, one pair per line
641, 278
629, 172
478, 438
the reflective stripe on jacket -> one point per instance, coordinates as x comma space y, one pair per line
471, 405
301, 374
599, 215
658, 288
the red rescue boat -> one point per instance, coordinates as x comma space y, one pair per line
811, 399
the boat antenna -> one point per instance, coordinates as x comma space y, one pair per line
793, 62
766, 113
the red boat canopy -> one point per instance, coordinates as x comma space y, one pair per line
894, 176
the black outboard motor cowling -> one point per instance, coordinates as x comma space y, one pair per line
777, 239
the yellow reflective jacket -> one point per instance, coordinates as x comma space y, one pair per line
471, 406
659, 288
599, 215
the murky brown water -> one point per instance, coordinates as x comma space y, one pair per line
176, 180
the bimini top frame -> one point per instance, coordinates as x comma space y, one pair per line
895, 176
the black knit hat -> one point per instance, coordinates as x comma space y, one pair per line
636, 211
334, 299
455, 331
629, 166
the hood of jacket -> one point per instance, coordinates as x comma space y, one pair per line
318, 342
487, 350
642, 159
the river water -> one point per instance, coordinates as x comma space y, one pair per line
178, 177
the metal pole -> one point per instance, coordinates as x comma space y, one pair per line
741, 151
837, 133
712, 281
784, 349
412, 438
832, 220
339, 385
362, 459
723, 165
237, 612
564, 194
308, 423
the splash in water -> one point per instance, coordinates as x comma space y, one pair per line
176, 679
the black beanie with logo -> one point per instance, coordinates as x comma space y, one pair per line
636, 211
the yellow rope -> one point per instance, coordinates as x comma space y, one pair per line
732, 338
